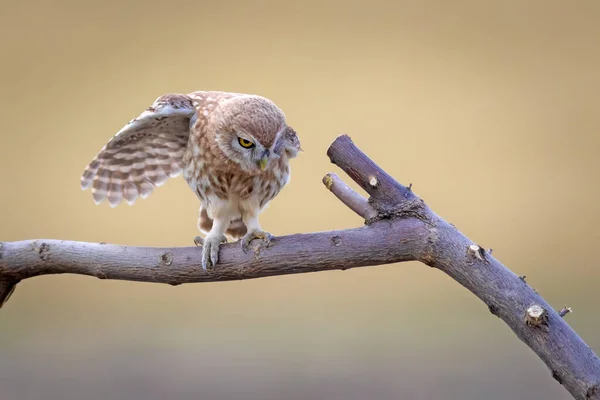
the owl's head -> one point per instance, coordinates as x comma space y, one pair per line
246, 129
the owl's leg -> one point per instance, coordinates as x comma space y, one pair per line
212, 242
254, 232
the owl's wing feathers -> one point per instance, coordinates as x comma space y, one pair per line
143, 154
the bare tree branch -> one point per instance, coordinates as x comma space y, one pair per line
349, 197
399, 227
564, 311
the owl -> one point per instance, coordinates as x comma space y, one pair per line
233, 150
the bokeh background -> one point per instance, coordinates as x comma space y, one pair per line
491, 110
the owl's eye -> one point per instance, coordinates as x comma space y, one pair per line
245, 143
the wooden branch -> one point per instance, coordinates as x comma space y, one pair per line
399, 227
349, 197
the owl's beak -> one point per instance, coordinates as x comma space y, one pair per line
264, 160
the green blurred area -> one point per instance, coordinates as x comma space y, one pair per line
490, 110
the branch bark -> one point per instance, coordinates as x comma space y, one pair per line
398, 227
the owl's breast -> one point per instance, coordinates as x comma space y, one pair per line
225, 185
274, 180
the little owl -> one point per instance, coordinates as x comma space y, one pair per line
233, 149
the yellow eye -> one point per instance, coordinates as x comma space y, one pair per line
245, 143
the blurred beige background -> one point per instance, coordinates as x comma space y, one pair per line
490, 110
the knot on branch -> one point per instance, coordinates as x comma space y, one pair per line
166, 258
476, 252
593, 392
536, 316
44, 251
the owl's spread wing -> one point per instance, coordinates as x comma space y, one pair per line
143, 154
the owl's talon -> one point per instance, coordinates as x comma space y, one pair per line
265, 239
210, 250
198, 241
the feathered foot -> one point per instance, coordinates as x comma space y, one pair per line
264, 237
210, 249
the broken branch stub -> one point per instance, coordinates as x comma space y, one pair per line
536, 316
349, 197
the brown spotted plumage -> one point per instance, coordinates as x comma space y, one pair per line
233, 149
287, 148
